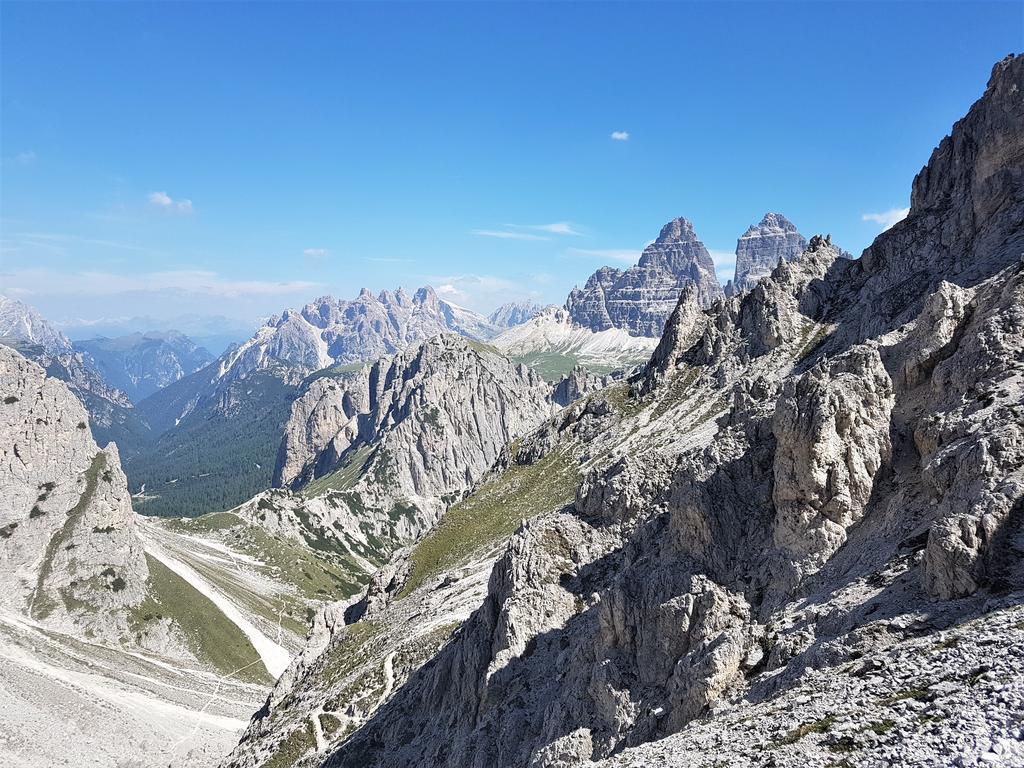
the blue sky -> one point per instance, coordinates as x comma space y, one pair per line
221, 159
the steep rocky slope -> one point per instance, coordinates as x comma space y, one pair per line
139, 364
761, 248
639, 299
806, 511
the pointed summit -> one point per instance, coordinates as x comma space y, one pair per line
678, 230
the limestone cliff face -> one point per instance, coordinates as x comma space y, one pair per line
69, 549
810, 481
640, 299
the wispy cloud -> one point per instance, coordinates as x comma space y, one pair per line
620, 135
529, 231
192, 281
886, 218
624, 255
315, 253
38, 243
505, 235
557, 228
165, 202
27, 157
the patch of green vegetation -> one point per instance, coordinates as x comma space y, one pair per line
880, 727
295, 745
334, 372
824, 725
432, 417
104, 529
10, 399
36, 511
317, 577
814, 336
621, 399
329, 723
82, 425
343, 478
207, 632
42, 604
918, 694
215, 521
8, 530
483, 349
481, 521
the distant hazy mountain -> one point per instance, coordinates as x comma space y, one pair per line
213, 332
513, 313
141, 363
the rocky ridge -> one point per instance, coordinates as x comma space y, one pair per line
820, 475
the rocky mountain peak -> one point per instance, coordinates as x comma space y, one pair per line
762, 247
677, 230
641, 298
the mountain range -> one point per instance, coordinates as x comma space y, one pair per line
792, 535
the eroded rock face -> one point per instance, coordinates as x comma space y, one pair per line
640, 299
972, 446
762, 247
831, 428
446, 406
69, 549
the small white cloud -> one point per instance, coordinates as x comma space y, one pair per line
620, 135
503, 235
165, 202
886, 218
24, 158
315, 253
625, 255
